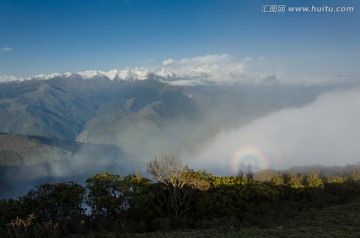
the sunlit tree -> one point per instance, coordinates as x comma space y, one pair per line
179, 184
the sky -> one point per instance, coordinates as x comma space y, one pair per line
48, 36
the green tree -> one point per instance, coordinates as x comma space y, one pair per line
10, 209
105, 195
313, 181
115, 197
55, 201
139, 196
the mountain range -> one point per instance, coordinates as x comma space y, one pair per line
90, 122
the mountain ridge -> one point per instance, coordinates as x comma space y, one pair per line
127, 74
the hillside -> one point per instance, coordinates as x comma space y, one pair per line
26, 161
20, 150
55, 108
103, 111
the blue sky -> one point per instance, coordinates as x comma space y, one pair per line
46, 36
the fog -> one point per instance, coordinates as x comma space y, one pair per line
326, 131
85, 162
214, 127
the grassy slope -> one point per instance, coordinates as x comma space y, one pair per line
335, 221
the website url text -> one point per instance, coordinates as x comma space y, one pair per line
307, 9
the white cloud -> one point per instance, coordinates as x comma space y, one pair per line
6, 49
326, 132
213, 68
226, 69
168, 62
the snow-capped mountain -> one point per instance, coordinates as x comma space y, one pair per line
204, 70
128, 74
192, 71
125, 74
8, 78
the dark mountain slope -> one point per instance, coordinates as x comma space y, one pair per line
56, 108
18, 150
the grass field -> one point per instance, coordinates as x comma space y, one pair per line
335, 221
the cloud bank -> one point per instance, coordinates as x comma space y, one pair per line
326, 132
213, 68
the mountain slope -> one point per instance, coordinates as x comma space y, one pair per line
57, 108
26, 161
23, 150
143, 117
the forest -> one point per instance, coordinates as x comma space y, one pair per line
172, 197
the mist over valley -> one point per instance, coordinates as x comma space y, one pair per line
71, 127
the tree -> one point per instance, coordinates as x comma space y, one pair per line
313, 181
264, 176
113, 197
55, 201
9, 209
247, 171
178, 183
138, 196
105, 195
